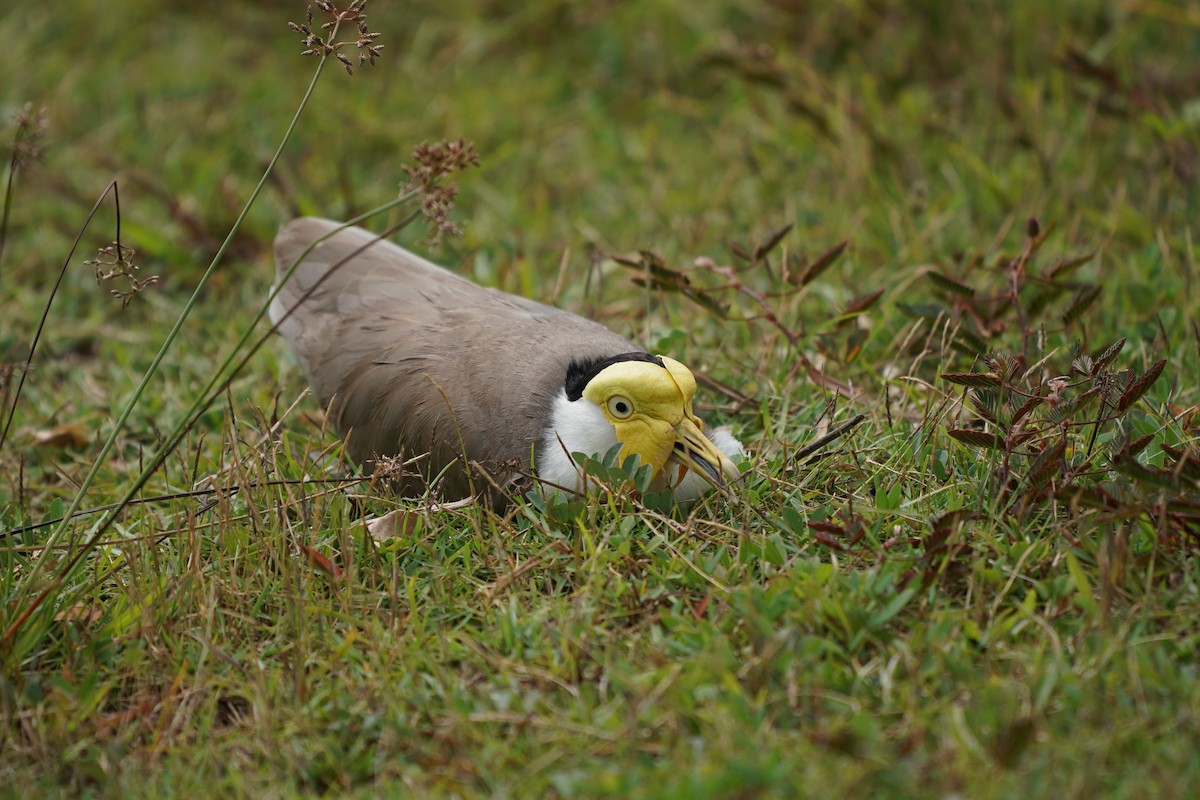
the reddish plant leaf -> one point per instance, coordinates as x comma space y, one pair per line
862, 302
1096, 497
1129, 466
951, 285
980, 380
854, 343
854, 530
1187, 462
1069, 408
1068, 265
944, 524
1105, 358
1139, 386
1026, 407
771, 242
1047, 464
984, 407
1082, 302
1138, 445
967, 343
827, 539
822, 263
977, 438
1043, 298
321, 562
1184, 507
655, 274
1188, 417
996, 362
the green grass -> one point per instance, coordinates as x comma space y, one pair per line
863, 634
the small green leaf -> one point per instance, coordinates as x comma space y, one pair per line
888, 499
1086, 598
662, 502
535, 499
772, 553
897, 604
642, 478
792, 520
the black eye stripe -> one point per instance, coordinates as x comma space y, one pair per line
580, 373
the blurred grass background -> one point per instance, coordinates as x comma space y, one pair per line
924, 134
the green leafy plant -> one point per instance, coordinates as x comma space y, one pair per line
1070, 434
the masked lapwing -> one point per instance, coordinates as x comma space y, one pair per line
409, 359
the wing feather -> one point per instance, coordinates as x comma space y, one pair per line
411, 358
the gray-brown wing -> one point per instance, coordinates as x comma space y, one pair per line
413, 359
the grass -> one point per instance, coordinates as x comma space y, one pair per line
952, 599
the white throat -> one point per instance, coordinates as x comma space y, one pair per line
581, 427
575, 427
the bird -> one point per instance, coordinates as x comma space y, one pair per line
479, 390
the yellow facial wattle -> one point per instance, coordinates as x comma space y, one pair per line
650, 408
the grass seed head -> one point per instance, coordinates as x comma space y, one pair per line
325, 46
28, 141
116, 261
432, 164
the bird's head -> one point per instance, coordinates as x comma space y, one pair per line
648, 401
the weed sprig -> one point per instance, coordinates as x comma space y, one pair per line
325, 46
116, 261
25, 149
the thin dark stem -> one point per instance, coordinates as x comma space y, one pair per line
837, 432
8, 192
162, 498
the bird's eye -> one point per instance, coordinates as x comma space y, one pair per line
619, 407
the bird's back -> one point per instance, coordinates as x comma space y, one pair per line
413, 359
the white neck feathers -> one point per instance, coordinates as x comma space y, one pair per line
575, 427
